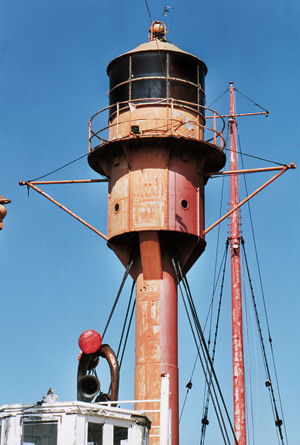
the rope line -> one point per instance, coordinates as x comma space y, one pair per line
218, 97
215, 402
206, 357
123, 330
188, 386
263, 296
148, 11
254, 241
60, 168
248, 397
210, 310
278, 421
126, 338
279, 394
125, 320
205, 413
118, 295
275, 413
129, 324
256, 157
259, 106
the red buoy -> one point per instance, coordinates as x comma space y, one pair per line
90, 341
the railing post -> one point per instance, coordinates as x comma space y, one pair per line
165, 434
215, 130
172, 108
90, 135
118, 107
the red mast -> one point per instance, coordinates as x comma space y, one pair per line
236, 294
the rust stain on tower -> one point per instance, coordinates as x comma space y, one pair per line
157, 162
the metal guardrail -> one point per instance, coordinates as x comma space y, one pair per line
163, 431
169, 126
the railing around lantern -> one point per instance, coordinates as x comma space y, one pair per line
171, 118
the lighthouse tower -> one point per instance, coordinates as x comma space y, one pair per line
157, 156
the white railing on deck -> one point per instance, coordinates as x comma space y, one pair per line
164, 429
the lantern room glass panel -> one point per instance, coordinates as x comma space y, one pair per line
119, 73
119, 94
182, 67
148, 65
183, 91
149, 88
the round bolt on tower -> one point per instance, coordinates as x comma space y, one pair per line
157, 163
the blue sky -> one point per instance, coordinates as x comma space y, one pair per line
59, 278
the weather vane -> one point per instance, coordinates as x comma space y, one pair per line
167, 10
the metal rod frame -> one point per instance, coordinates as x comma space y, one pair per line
283, 170
71, 181
250, 170
30, 184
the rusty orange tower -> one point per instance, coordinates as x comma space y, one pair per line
157, 162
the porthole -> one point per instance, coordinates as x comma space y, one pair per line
117, 208
184, 204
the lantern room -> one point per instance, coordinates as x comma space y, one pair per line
149, 76
153, 150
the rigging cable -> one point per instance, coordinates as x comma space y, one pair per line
259, 106
256, 157
220, 214
125, 320
249, 400
263, 294
123, 330
195, 316
239, 152
215, 280
226, 441
206, 357
148, 11
278, 421
57, 169
205, 352
129, 325
218, 98
189, 384
205, 413
118, 294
